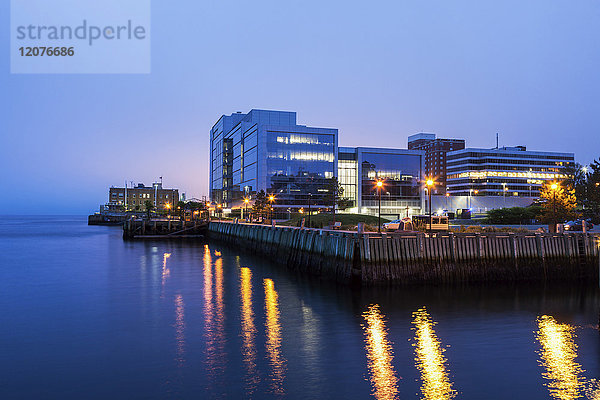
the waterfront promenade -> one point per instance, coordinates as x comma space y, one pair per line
372, 258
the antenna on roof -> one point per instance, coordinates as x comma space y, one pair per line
497, 141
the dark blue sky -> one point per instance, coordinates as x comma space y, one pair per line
378, 71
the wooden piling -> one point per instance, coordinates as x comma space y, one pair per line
371, 258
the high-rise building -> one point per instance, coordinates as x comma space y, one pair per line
435, 156
267, 150
401, 170
505, 171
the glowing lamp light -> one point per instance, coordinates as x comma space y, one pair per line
429, 182
379, 184
554, 186
246, 200
168, 205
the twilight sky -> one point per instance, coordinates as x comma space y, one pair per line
378, 71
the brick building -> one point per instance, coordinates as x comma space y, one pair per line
435, 156
135, 198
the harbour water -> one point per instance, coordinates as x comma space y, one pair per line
87, 315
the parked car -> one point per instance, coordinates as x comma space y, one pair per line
404, 224
392, 225
577, 225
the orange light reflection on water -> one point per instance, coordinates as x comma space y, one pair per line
273, 344
379, 355
214, 317
430, 360
248, 331
207, 285
558, 353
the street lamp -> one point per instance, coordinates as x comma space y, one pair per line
309, 212
219, 211
470, 201
246, 201
429, 187
554, 188
271, 200
379, 186
168, 207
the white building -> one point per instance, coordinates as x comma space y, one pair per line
506, 171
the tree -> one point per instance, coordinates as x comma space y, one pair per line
576, 179
149, 207
195, 206
334, 196
591, 192
513, 215
558, 205
260, 203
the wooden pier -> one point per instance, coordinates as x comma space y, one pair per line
164, 229
409, 258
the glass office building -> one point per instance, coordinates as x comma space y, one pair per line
267, 150
402, 173
512, 171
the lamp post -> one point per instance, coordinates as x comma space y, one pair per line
219, 211
168, 207
246, 201
309, 213
379, 185
429, 187
470, 191
271, 200
554, 188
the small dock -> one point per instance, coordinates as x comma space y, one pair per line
139, 229
107, 219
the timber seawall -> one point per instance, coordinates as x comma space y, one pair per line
415, 258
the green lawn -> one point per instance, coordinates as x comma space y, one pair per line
322, 220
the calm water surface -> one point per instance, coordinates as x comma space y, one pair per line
88, 316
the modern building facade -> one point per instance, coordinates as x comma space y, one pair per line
135, 198
267, 150
436, 150
505, 171
401, 171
